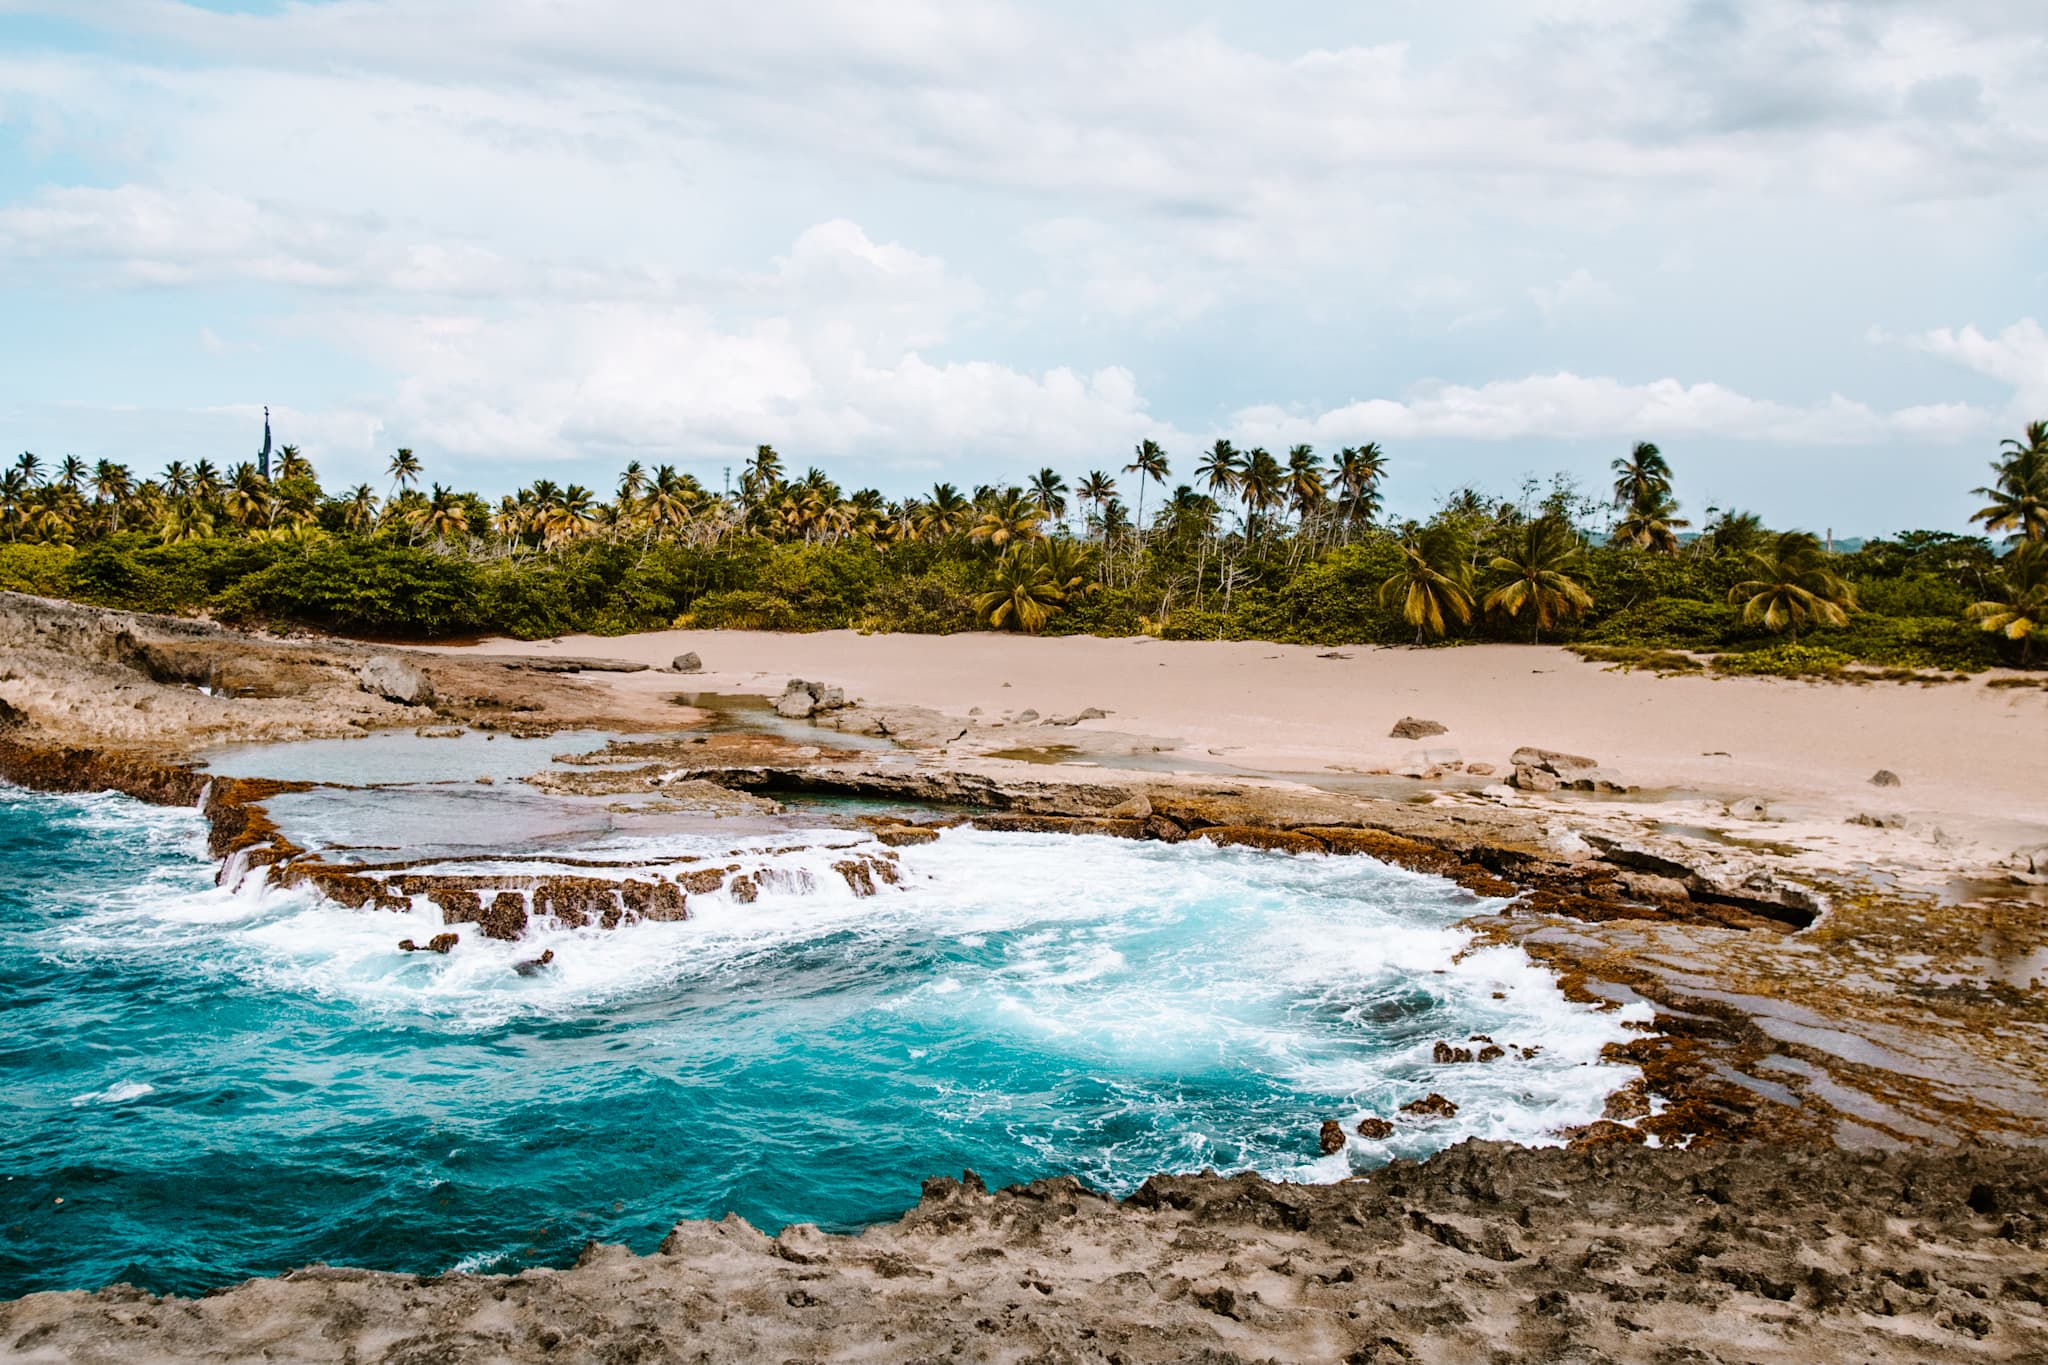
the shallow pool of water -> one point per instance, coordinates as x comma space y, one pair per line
200, 1084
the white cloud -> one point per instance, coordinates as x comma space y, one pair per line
1578, 294
1569, 406
2016, 356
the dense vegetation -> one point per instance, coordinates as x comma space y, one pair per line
1251, 548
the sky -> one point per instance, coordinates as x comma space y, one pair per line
1799, 245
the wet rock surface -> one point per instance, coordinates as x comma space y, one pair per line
1776, 1256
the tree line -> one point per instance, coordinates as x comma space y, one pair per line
1251, 546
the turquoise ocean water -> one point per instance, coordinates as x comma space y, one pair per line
201, 1084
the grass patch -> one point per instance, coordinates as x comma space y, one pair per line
1627, 658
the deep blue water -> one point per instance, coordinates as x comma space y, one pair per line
199, 1085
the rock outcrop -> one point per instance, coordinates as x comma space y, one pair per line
394, 679
1412, 727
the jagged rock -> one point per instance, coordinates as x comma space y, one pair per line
12, 717
1443, 1054
1375, 1129
1551, 761
535, 965
1492, 1052
1412, 727
1087, 713
1164, 830
439, 732
1139, 807
903, 836
1878, 821
1598, 780
1432, 1105
1605, 1133
1884, 777
1532, 779
394, 679
439, 943
1274, 840
505, 918
686, 663
796, 701
1632, 1101
1331, 1138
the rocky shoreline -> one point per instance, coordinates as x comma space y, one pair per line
1808, 1000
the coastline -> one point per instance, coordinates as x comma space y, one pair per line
1819, 985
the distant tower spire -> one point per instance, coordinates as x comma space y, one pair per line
263, 457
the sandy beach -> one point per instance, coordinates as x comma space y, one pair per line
1962, 749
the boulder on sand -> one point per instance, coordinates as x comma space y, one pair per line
1413, 727
1551, 761
1884, 777
686, 663
394, 679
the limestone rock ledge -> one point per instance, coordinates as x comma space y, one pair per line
1483, 1253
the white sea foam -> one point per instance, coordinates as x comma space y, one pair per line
119, 1093
1125, 960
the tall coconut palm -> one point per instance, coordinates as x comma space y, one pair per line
1534, 577
404, 469
1733, 532
1022, 594
30, 466
113, 486
1095, 489
70, 473
1049, 492
1434, 583
177, 479
445, 518
1793, 584
1305, 486
1222, 469
1644, 476
205, 479
1262, 485
2018, 605
1148, 462
1359, 470
2017, 500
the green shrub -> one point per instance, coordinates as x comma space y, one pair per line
743, 609
1783, 661
364, 587
44, 570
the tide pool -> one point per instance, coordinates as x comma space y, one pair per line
201, 1084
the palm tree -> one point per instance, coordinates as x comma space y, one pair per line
1148, 462
2018, 608
445, 517
177, 479
1222, 469
359, 508
1434, 582
1643, 477
1534, 577
291, 465
1793, 584
1652, 524
1096, 489
1305, 487
30, 466
1022, 595
1007, 518
943, 514
205, 479
71, 473
2017, 500
1359, 470
1262, 485
1069, 564
1049, 491
1733, 532
112, 485
184, 521
404, 470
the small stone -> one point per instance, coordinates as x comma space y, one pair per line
1444, 1054
441, 943
534, 966
1376, 1129
1431, 1105
686, 663
1491, 1053
1331, 1139
1481, 769
1412, 727
1884, 777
